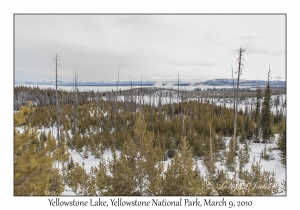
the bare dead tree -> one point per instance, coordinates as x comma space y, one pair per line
115, 106
118, 79
142, 94
198, 96
191, 110
75, 92
150, 106
223, 108
131, 97
233, 95
239, 71
98, 97
178, 89
211, 153
159, 104
183, 128
56, 59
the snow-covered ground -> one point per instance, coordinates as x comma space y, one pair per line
273, 164
171, 96
87, 164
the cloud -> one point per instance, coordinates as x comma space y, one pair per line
202, 64
265, 52
148, 45
248, 37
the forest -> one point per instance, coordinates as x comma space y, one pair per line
156, 138
145, 135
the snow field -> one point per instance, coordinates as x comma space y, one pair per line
273, 164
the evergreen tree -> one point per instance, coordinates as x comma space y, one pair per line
80, 181
209, 158
182, 177
243, 157
257, 115
61, 153
147, 160
259, 182
85, 153
282, 145
266, 113
33, 164
120, 179
230, 160
56, 182
70, 163
99, 178
249, 127
137, 170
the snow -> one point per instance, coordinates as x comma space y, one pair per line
68, 191
273, 164
91, 160
255, 150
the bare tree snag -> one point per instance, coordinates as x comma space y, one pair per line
57, 102
240, 65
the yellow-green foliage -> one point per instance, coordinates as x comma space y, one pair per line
260, 182
80, 181
33, 163
181, 177
136, 171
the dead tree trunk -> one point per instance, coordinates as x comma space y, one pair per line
178, 89
56, 102
75, 102
211, 153
240, 65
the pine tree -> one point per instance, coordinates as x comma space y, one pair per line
257, 115
223, 185
136, 170
147, 161
99, 178
249, 127
85, 153
80, 181
121, 174
243, 157
230, 160
70, 163
209, 158
266, 113
182, 177
149, 166
61, 153
282, 145
56, 182
259, 182
33, 164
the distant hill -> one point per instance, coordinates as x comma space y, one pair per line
212, 82
245, 83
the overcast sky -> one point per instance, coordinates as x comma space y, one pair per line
197, 46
